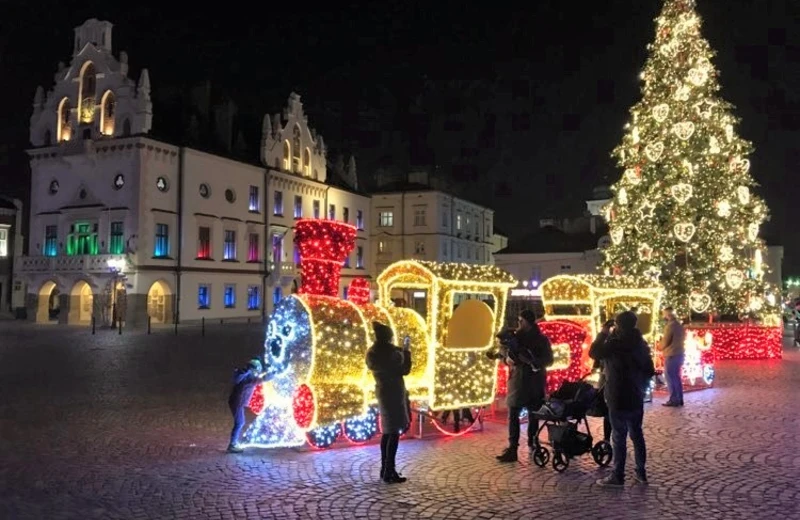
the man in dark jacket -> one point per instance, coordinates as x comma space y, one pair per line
628, 368
527, 360
244, 384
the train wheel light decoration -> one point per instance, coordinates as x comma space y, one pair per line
316, 343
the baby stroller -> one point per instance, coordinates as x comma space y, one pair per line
563, 414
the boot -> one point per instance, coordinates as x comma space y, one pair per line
508, 455
393, 477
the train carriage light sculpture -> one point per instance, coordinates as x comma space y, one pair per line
316, 342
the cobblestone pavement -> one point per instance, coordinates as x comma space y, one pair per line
134, 427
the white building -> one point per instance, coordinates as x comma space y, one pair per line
11, 241
124, 226
414, 220
299, 186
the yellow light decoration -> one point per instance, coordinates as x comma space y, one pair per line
688, 151
453, 375
593, 299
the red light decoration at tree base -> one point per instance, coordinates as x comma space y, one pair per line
561, 333
323, 245
256, 403
743, 340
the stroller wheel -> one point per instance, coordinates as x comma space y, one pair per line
602, 453
541, 456
560, 461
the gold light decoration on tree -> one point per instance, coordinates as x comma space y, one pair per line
692, 201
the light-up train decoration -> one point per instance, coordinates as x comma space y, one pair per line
591, 300
319, 387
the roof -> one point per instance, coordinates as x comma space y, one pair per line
497, 231
459, 272
551, 239
402, 186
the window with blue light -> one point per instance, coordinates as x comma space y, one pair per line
360, 257
298, 206
296, 256
347, 261
161, 248
277, 295
316, 209
203, 296
229, 246
253, 298
344, 292
277, 203
229, 296
254, 203
50, 240
360, 219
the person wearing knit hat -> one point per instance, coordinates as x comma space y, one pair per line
527, 362
628, 368
245, 381
389, 364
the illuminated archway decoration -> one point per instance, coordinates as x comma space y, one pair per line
316, 343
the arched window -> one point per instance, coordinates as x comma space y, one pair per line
64, 130
287, 155
86, 101
108, 108
296, 149
307, 162
126, 127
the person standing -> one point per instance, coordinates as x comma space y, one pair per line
527, 380
389, 364
673, 350
628, 368
245, 381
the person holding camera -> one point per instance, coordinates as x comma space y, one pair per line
389, 364
628, 368
528, 353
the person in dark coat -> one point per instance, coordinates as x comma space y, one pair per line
244, 384
527, 380
389, 364
628, 368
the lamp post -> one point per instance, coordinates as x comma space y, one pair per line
117, 266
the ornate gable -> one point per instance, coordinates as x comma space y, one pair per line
93, 97
289, 144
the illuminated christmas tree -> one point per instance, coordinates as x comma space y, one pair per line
684, 211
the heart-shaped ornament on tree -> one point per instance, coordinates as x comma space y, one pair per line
698, 76
743, 192
681, 192
739, 165
752, 231
724, 208
654, 150
734, 278
684, 231
660, 112
684, 129
616, 235
699, 302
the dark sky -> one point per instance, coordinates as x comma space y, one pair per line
517, 104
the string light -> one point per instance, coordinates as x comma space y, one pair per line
319, 386
690, 199
742, 341
454, 376
591, 300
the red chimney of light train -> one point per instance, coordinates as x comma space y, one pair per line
323, 245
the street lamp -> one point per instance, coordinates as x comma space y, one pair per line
116, 265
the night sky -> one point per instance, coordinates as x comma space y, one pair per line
516, 105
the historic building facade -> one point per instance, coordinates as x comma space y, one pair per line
299, 186
11, 241
127, 228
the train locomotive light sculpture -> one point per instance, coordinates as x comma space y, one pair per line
316, 343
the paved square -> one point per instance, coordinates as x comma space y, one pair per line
134, 427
